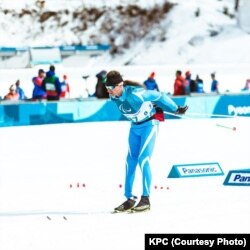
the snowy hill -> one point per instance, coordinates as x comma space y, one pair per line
159, 32
202, 36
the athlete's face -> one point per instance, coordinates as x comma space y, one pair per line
115, 90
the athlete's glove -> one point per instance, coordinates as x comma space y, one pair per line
181, 110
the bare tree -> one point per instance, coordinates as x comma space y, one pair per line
236, 5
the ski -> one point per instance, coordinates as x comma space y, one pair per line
51, 214
139, 211
120, 212
130, 211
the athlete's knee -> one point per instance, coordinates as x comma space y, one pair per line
132, 157
144, 162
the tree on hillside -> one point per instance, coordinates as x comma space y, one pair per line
236, 5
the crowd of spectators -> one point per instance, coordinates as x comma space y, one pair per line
188, 85
48, 86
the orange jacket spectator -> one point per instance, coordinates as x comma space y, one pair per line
12, 95
179, 84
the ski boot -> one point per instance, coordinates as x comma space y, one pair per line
143, 205
126, 206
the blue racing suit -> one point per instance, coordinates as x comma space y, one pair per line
139, 106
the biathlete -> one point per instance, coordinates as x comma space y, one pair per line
144, 108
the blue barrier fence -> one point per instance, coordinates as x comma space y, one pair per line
73, 48
92, 110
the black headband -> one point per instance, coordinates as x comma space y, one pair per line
113, 80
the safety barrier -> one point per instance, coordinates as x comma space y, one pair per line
92, 110
51, 54
11, 51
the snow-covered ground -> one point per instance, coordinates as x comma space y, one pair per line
39, 209
75, 178
58, 183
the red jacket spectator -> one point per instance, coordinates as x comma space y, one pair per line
247, 85
179, 84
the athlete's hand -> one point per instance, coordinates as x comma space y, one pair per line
181, 110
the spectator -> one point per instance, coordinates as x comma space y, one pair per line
100, 89
192, 86
214, 84
12, 95
247, 85
150, 83
52, 85
38, 92
179, 84
187, 82
199, 85
19, 90
65, 90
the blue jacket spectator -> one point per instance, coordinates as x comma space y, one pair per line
214, 84
19, 90
38, 92
199, 85
150, 83
65, 89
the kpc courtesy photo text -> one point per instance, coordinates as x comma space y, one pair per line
159, 241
